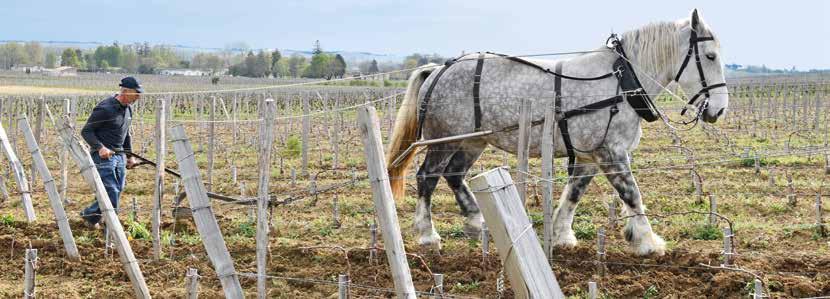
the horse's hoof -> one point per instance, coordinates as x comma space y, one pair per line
431, 241
472, 227
564, 239
431, 247
651, 244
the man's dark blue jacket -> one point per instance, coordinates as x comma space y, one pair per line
109, 125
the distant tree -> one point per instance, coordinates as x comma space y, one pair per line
146, 69
275, 63
416, 60
317, 48
262, 66
320, 67
250, 64
144, 50
81, 58
104, 65
275, 59
280, 69
34, 53
207, 61
296, 65
129, 60
110, 54
51, 60
70, 58
89, 60
373, 67
338, 66
12, 54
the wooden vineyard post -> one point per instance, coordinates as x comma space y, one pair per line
41, 109
191, 283
267, 140
713, 209
158, 193
81, 155
384, 203
791, 199
728, 249
485, 242
65, 156
51, 190
438, 288
612, 212
211, 142
592, 290
820, 230
373, 243
19, 175
342, 286
203, 215
524, 260
548, 130
29, 274
759, 290
524, 148
306, 131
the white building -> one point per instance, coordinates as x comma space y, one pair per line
182, 72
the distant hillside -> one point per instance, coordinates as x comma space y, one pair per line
735, 70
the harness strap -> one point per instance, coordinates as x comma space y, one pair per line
594, 106
704, 91
477, 90
563, 122
558, 74
422, 111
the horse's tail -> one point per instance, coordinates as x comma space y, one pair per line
406, 126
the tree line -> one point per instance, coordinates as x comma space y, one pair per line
239, 60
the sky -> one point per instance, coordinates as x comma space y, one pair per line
779, 34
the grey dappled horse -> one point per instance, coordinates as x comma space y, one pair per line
656, 52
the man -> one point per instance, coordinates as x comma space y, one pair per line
107, 131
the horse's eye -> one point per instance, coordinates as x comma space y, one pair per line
711, 56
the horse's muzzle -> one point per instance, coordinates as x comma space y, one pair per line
711, 119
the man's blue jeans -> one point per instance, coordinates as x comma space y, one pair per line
113, 173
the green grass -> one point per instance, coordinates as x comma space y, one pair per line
7, 220
701, 232
136, 230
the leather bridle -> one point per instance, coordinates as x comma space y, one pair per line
694, 39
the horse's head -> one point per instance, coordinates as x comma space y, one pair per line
701, 72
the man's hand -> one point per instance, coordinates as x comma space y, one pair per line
105, 153
131, 162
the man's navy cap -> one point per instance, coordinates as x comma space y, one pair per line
131, 83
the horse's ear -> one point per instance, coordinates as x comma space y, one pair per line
695, 19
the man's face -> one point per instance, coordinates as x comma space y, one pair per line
129, 96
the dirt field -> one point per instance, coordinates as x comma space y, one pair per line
775, 241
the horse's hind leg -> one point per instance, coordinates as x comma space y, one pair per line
563, 234
435, 162
638, 230
455, 172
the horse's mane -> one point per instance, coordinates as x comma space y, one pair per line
656, 47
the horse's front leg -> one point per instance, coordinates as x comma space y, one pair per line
638, 232
563, 234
